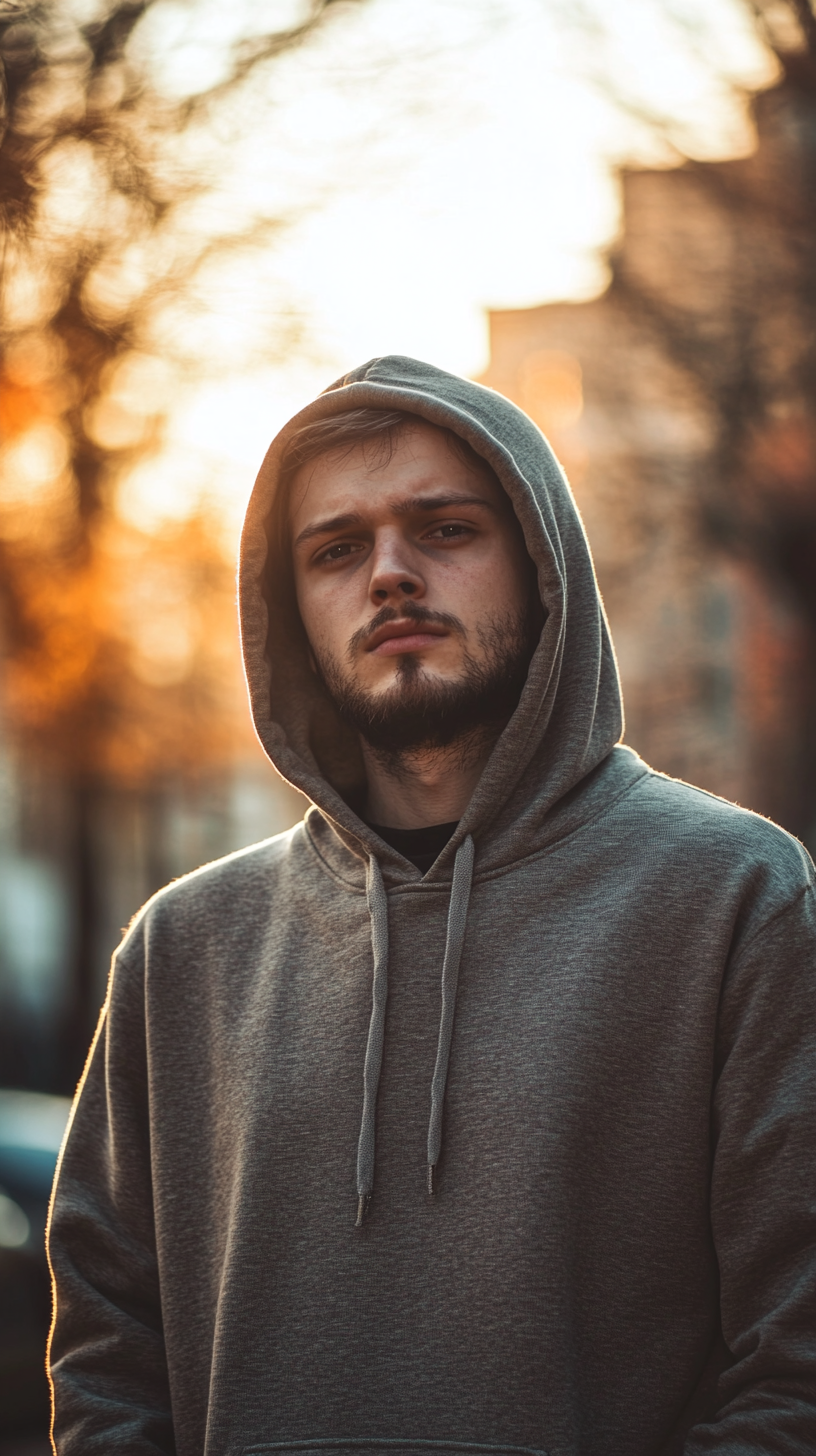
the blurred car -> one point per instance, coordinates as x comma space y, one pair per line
31, 1130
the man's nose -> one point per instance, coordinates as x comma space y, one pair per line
394, 574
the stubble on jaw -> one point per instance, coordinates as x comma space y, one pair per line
455, 721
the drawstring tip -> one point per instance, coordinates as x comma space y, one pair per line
362, 1205
430, 1179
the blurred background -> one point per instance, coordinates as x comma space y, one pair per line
208, 213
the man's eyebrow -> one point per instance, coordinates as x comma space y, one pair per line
324, 528
413, 504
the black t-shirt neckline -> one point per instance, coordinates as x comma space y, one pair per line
421, 846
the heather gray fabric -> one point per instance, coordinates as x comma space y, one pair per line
618, 1258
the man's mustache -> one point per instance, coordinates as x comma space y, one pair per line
412, 612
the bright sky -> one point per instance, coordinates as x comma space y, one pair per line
444, 157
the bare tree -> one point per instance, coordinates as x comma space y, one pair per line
716, 271
747, 329
729, 291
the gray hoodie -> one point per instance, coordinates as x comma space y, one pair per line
593, 1017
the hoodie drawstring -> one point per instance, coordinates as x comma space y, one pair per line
457, 921
378, 911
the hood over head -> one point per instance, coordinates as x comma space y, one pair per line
569, 716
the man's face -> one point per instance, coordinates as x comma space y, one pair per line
414, 587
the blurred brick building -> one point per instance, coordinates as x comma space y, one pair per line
716, 648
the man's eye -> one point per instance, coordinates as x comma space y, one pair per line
448, 531
337, 551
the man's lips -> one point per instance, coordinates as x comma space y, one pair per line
404, 636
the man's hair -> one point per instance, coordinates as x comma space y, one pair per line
378, 429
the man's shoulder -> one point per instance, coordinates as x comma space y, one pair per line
232, 887
713, 833
241, 867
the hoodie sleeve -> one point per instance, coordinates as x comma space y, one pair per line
763, 1194
106, 1353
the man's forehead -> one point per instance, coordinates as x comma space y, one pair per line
421, 466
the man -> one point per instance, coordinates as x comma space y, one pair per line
475, 1113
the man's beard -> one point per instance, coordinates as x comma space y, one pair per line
420, 711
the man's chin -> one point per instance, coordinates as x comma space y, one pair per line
424, 711
408, 676
417, 707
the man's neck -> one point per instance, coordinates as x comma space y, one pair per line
428, 786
